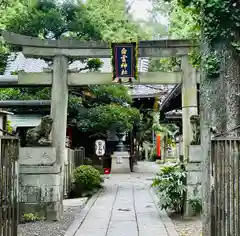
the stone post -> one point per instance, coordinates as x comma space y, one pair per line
191, 153
189, 102
42, 168
59, 105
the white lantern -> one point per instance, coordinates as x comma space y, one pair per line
100, 147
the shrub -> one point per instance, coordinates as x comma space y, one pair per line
196, 204
169, 184
86, 179
29, 217
100, 169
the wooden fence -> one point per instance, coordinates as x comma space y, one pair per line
225, 202
8, 185
79, 156
75, 158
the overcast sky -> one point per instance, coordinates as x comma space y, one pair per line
140, 10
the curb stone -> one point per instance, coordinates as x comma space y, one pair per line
79, 219
170, 228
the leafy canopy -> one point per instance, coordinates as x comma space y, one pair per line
94, 20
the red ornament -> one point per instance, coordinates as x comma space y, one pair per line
107, 171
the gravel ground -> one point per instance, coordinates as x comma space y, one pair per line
71, 208
187, 227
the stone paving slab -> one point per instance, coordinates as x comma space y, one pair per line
122, 228
125, 208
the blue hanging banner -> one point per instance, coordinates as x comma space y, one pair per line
124, 61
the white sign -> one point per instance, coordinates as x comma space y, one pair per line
100, 147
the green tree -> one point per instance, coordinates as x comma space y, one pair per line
184, 23
95, 20
112, 116
112, 18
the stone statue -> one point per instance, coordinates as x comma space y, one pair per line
39, 136
195, 122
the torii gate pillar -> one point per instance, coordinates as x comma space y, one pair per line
189, 102
190, 152
59, 105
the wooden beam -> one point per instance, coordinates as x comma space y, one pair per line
78, 79
23, 40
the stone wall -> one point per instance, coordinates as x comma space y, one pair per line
41, 188
194, 175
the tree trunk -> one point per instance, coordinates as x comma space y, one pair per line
232, 77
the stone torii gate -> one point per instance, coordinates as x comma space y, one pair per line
60, 78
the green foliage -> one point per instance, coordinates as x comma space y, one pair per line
153, 154
196, 205
220, 19
50, 19
25, 94
110, 94
94, 20
99, 168
169, 129
195, 57
164, 64
111, 17
215, 20
103, 117
211, 64
30, 217
236, 46
184, 22
9, 127
4, 53
169, 184
85, 180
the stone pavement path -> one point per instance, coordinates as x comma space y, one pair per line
126, 208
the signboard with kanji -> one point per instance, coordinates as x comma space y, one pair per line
124, 61
100, 147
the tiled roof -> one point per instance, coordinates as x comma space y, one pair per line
17, 62
150, 89
174, 112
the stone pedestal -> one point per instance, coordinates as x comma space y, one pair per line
194, 175
40, 183
120, 163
